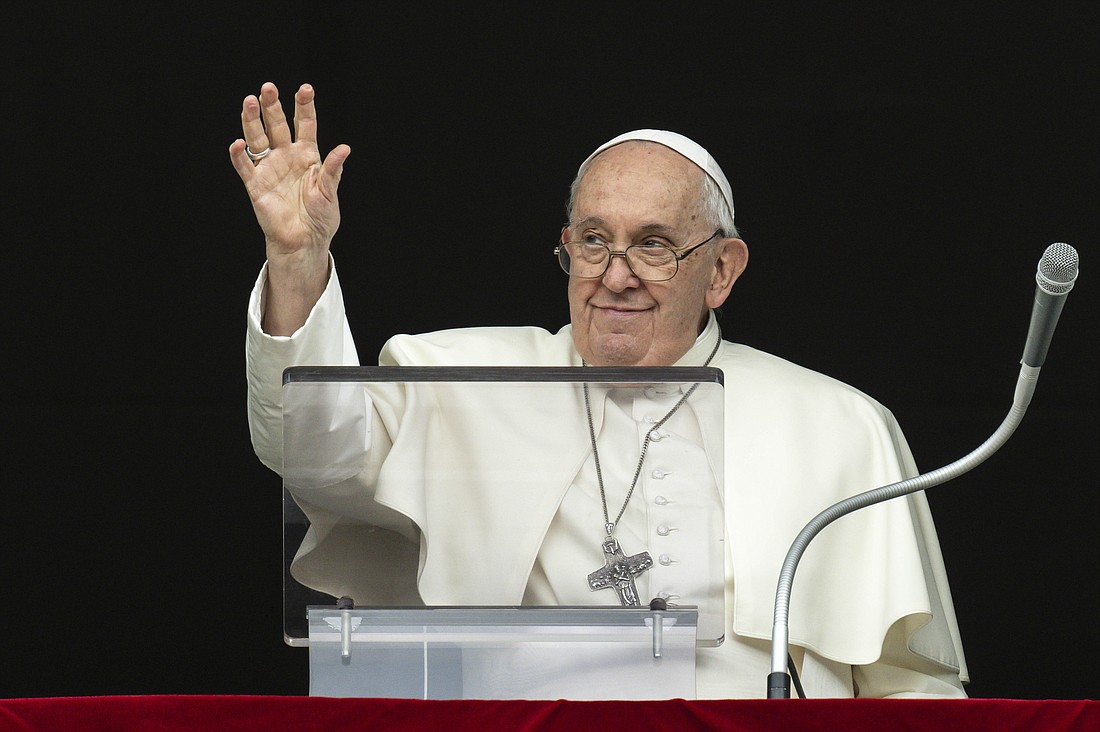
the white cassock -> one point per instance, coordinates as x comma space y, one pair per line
871, 612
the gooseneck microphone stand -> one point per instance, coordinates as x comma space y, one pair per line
1057, 273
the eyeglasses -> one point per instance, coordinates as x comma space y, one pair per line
651, 262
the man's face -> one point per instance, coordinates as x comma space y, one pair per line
633, 193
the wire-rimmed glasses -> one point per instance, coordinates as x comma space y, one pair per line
649, 261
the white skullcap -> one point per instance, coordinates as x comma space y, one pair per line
687, 147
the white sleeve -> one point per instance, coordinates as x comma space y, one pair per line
324, 340
343, 552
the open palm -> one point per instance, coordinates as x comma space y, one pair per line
292, 192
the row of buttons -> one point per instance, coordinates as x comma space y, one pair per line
659, 474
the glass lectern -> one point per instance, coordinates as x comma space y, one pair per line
416, 500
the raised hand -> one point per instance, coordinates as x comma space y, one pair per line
293, 194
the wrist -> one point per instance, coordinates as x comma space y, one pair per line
292, 288
302, 272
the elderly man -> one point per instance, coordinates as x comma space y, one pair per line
651, 250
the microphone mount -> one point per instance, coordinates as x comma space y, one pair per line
1059, 267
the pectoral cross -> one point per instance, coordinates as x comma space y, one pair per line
619, 572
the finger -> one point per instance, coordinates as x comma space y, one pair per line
252, 125
332, 169
305, 115
244, 167
274, 120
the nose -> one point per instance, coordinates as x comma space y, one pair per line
619, 276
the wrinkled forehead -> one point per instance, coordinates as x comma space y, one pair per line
642, 183
685, 146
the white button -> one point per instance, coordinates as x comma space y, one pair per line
648, 419
659, 474
665, 559
663, 595
657, 436
663, 530
660, 500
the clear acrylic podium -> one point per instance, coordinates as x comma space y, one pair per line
390, 643
502, 653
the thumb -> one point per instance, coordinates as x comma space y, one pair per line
332, 169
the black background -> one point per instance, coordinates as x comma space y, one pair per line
898, 171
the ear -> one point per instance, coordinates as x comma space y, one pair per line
730, 262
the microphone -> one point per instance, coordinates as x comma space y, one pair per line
1054, 279
1056, 275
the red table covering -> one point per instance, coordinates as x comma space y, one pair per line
273, 713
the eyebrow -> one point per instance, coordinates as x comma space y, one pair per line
645, 228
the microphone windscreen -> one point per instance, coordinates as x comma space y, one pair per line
1057, 269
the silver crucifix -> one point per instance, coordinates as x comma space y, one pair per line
619, 572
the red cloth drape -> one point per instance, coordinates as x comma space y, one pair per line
274, 713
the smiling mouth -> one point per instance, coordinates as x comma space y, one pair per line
617, 309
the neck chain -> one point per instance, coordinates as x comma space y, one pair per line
620, 570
